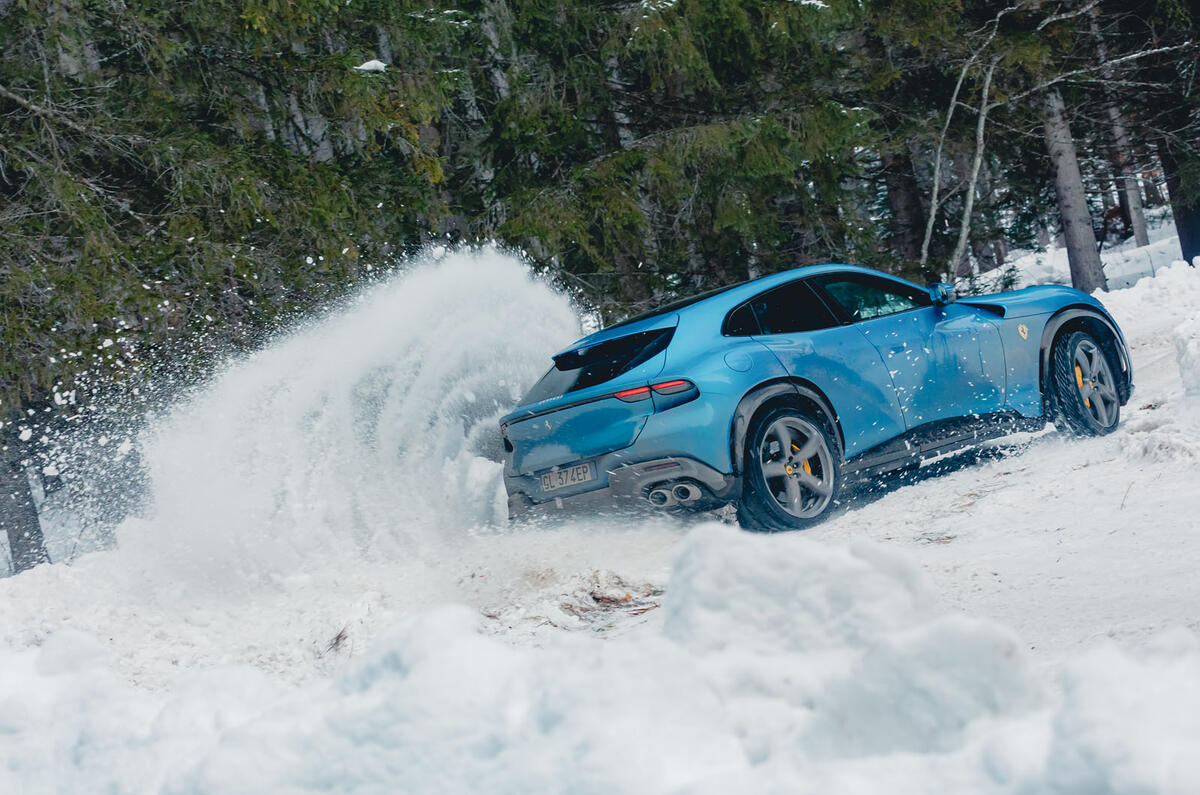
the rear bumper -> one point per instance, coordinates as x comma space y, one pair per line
620, 487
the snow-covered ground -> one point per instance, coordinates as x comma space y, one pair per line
324, 596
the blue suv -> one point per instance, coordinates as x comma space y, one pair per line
772, 394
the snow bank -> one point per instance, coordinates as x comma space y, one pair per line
782, 664
1125, 264
1152, 310
1129, 723
1154, 305
316, 487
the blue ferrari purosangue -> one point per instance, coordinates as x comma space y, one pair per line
772, 394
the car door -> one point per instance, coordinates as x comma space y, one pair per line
945, 361
812, 344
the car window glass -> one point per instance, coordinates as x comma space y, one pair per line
864, 298
599, 363
792, 308
741, 322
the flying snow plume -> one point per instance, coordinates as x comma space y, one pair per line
366, 433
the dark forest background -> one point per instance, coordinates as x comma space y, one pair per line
175, 167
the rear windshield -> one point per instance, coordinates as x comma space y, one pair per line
598, 363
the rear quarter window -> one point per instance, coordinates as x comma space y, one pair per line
788, 309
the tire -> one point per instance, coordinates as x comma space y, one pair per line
784, 491
1086, 400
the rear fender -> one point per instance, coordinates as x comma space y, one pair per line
766, 395
1098, 324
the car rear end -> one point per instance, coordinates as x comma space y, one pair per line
573, 441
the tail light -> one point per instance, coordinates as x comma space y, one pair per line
665, 388
673, 387
633, 395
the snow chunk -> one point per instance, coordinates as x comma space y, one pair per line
1129, 723
371, 66
1187, 346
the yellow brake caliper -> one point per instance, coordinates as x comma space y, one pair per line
1079, 382
805, 466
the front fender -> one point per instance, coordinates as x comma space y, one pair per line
1083, 316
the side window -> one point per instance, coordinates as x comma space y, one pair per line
741, 322
787, 309
864, 297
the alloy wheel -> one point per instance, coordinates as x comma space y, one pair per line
797, 466
1095, 382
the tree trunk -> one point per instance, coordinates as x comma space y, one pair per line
620, 106
1127, 184
1149, 178
1001, 249
1087, 273
1119, 181
1185, 209
985, 254
494, 23
18, 515
1154, 197
1127, 179
1043, 237
907, 220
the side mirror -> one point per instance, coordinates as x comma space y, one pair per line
942, 293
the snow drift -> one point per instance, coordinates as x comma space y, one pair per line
782, 664
338, 482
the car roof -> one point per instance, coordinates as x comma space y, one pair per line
728, 297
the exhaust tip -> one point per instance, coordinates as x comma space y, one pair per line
661, 498
685, 492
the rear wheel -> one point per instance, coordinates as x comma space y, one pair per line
1085, 389
791, 475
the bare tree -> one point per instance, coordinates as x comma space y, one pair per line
1083, 254
960, 249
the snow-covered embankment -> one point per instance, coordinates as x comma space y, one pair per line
823, 662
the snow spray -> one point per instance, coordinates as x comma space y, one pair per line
364, 434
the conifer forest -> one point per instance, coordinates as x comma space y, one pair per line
172, 168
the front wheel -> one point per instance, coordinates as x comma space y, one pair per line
791, 474
1085, 390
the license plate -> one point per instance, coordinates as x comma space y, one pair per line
567, 476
